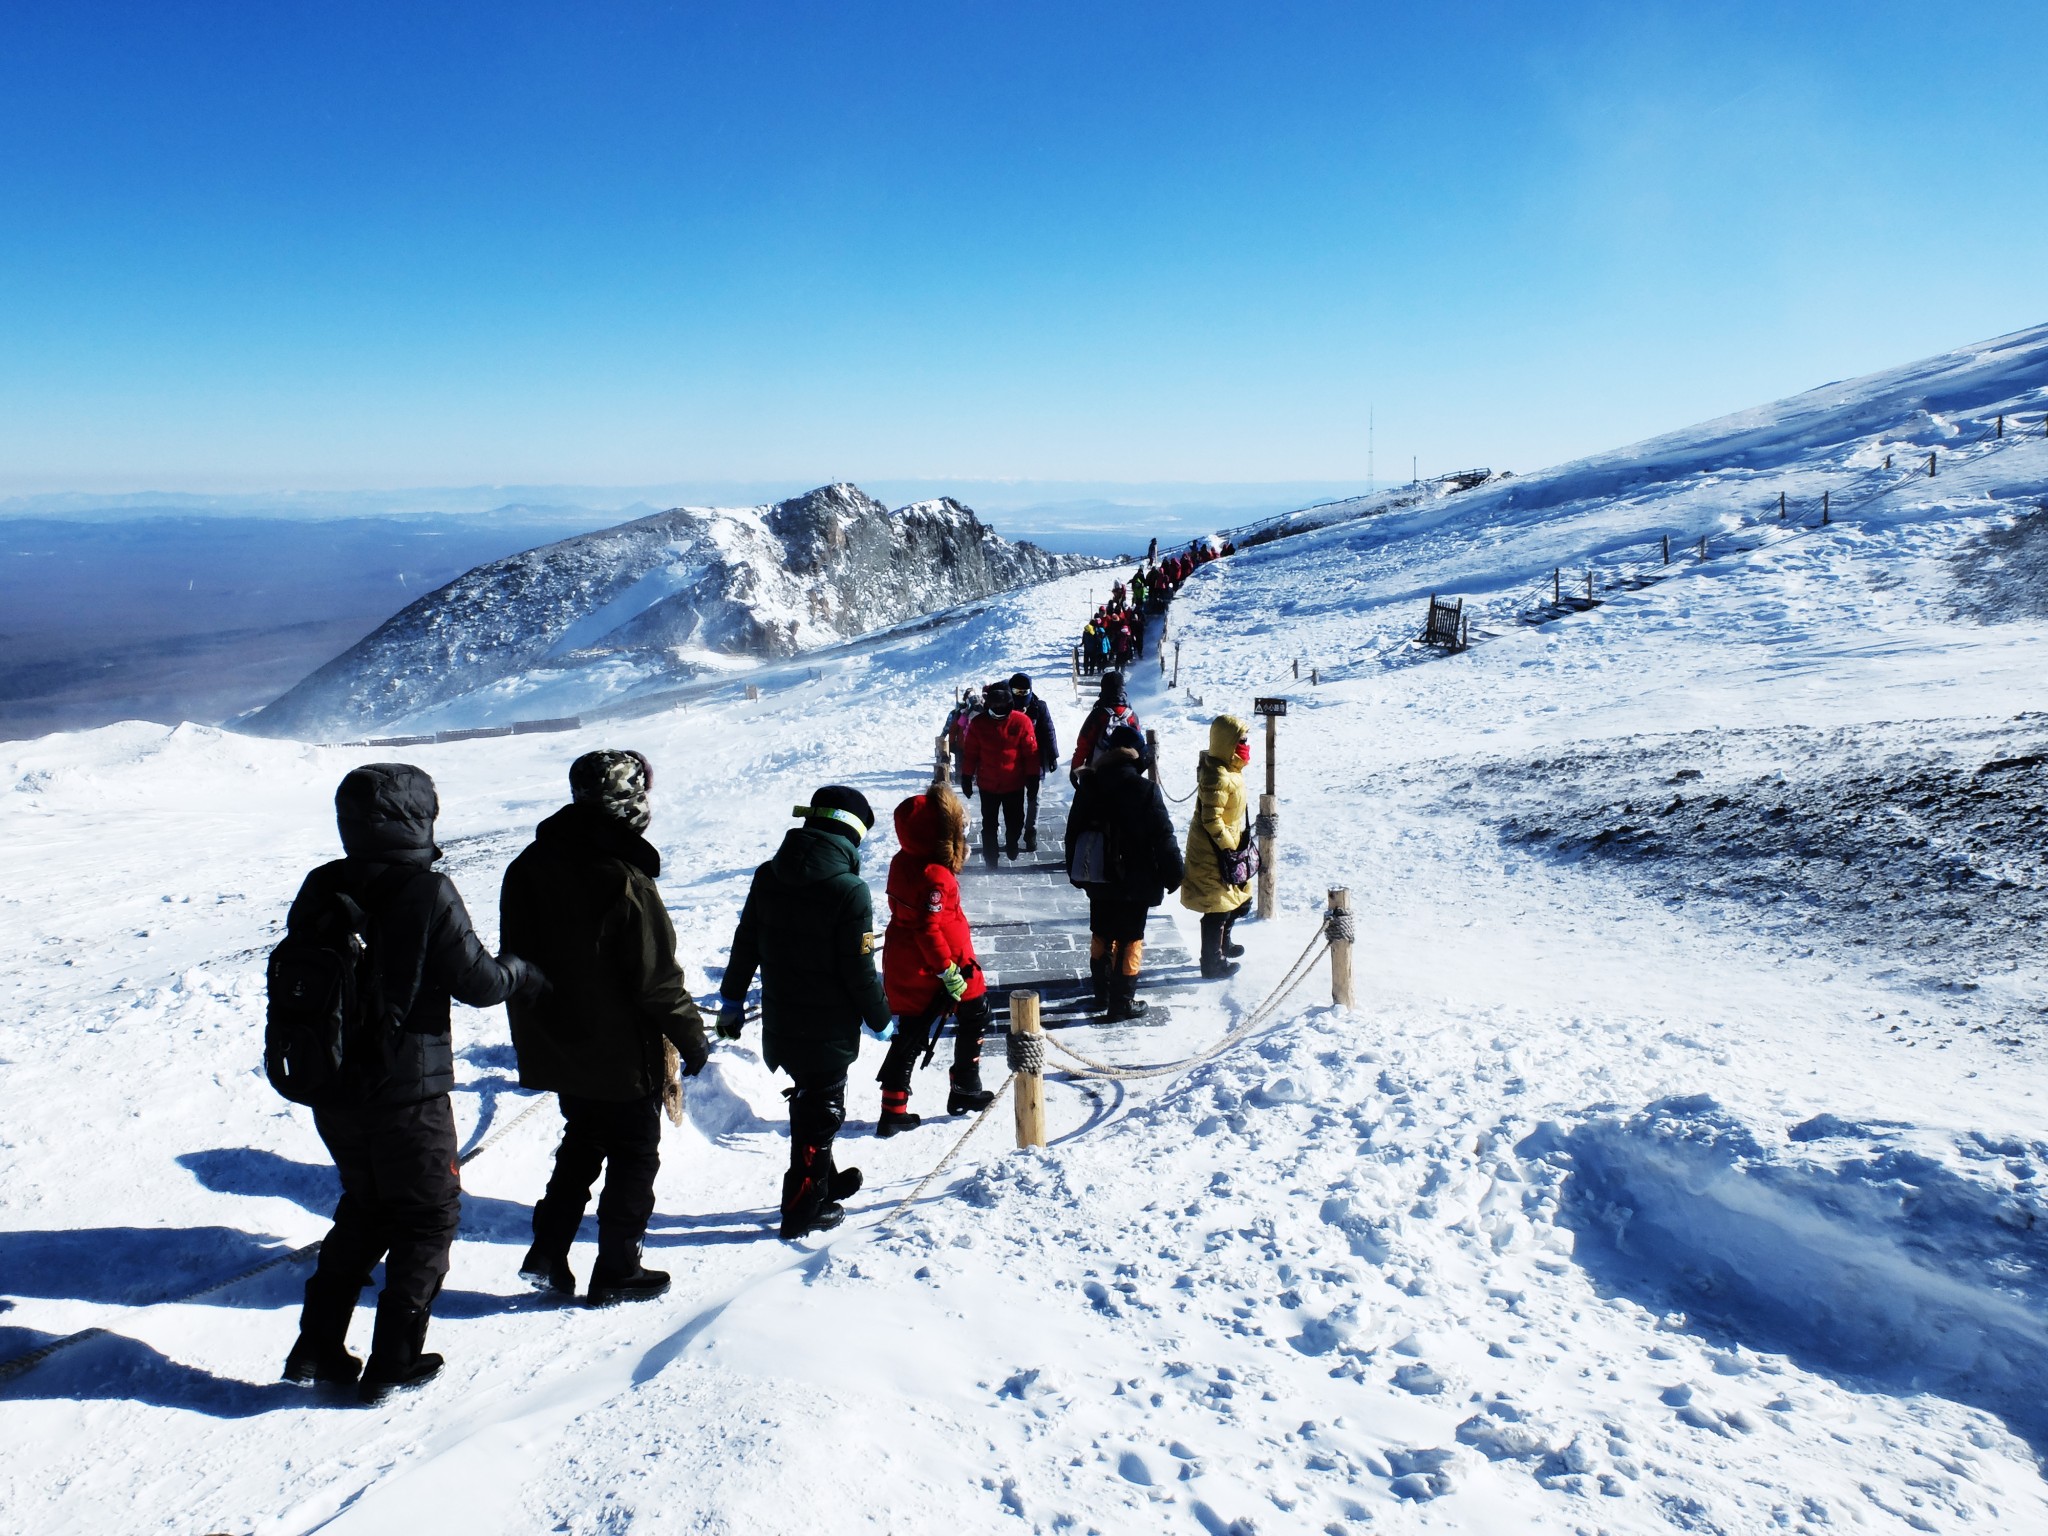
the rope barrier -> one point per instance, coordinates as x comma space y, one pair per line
947, 1161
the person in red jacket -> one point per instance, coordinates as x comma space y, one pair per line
928, 964
1001, 755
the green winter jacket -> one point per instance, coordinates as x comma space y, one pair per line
581, 904
807, 928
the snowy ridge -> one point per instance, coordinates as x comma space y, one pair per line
658, 599
1681, 1168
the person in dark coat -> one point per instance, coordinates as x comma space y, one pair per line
1140, 861
1112, 708
1034, 709
1001, 755
581, 903
807, 928
391, 1131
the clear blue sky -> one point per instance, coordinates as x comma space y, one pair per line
269, 245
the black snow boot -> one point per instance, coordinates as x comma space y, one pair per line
811, 1193
1124, 1003
1098, 981
397, 1363
1214, 966
1031, 839
1230, 948
845, 1183
320, 1357
896, 1115
620, 1276
968, 1097
546, 1271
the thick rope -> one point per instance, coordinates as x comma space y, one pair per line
947, 1161
1026, 1052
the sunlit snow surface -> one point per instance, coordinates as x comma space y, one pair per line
1671, 1174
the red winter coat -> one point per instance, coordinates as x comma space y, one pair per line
1001, 752
927, 930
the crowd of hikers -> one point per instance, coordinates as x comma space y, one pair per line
378, 943
1114, 635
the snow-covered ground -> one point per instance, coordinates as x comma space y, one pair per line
1681, 1168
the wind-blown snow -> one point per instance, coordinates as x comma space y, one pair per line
1629, 1199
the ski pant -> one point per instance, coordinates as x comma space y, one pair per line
401, 1201
1010, 803
915, 1032
621, 1138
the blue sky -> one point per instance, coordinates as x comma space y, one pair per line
271, 245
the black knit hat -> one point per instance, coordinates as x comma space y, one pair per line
1020, 683
999, 699
1112, 689
836, 808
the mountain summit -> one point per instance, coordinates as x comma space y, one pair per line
689, 590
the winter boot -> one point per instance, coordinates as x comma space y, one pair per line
896, 1115
1124, 1003
1214, 966
546, 1271
845, 1183
1031, 839
968, 1097
320, 1357
808, 1203
618, 1275
1230, 948
1098, 975
397, 1363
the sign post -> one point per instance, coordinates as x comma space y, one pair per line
1269, 804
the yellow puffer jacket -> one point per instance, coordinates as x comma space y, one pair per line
1218, 821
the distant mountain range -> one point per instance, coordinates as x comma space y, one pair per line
682, 591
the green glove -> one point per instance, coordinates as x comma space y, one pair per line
954, 983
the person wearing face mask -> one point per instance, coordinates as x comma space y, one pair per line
1220, 853
1034, 710
807, 928
582, 895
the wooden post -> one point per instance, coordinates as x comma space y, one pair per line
2001, 424
942, 762
1824, 515
1340, 952
1703, 546
1887, 461
1269, 809
1297, 669
1557, 587
1077, 671
1667, 549
1781, 506
1930, 466
1030, 1094
1152, 755
1176, 666
1589, 584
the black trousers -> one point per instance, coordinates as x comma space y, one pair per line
401, 1201
1115, 919
621, 1138
914, 1034
1031, 805
1010, 805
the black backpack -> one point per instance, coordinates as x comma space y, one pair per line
319, 1029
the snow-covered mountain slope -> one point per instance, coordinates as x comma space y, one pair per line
662, 597
1689, 1177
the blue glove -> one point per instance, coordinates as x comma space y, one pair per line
732, 1019
886, 1032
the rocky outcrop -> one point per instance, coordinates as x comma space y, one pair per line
692, 582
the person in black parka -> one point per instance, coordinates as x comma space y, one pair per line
392, 1132
1141, 862
1040, 716
581, 903
808, 928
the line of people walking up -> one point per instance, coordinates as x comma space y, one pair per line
1114, 635
378, 943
